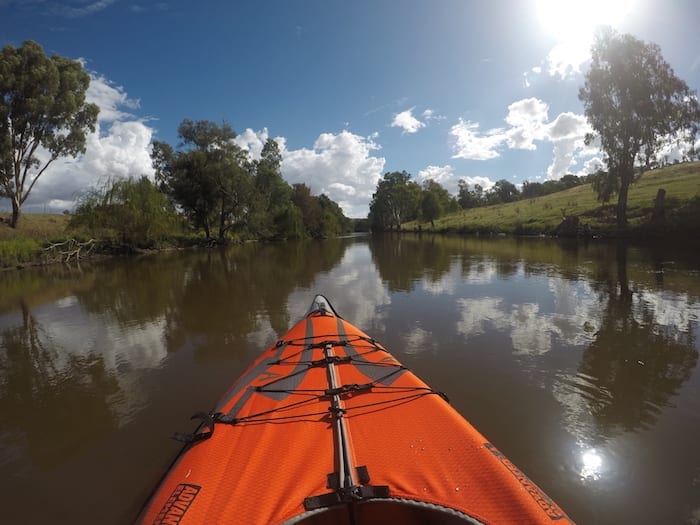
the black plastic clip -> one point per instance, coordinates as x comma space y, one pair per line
207, 423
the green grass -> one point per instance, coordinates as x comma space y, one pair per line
41, 227
15, 252
23, 245
532, 216
544, 214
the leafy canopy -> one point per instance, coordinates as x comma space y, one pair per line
207, 177
635, 104
395, 201
42, 105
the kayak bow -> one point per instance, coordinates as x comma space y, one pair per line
327, 427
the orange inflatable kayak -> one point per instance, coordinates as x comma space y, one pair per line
327, 427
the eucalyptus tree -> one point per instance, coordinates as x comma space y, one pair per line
43, 116
435, 201
503, 191
635, 104
208, 177
395, 201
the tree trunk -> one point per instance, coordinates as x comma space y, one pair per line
658, 216
625, 180
623, 281
222, 221
15, 212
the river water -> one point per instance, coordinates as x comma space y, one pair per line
578, 361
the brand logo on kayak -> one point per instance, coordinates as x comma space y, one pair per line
180, 500
548, 506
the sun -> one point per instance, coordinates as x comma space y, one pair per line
573, 24
576, 19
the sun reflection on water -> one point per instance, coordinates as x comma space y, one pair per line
591, 465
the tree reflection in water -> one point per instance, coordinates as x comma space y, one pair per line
43, 388
636, 364
577, 346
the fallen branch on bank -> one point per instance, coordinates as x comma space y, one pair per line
69, 249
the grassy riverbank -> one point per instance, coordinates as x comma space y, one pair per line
24, 245
48, 238
542, 215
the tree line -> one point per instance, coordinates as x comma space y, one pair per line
208, 180
399, 199
221, 190
210, 185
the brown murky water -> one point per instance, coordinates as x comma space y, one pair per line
580, 362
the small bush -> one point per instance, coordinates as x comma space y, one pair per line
130, 211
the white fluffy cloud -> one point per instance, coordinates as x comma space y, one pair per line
252, 141
112, 100
527, 122
406, 121
470, 143
447, 177
340, 165
567, 133
119, 147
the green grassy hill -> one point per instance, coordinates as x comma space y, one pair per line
544, 214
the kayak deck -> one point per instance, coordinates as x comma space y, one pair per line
327, 427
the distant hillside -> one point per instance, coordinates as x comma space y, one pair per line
542, 215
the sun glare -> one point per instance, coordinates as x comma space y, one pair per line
575, 19
573, 24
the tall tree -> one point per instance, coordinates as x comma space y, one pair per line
430, 207
310, 208
435, 200
395, 201
504, 191
634, 102
466, 197
208, 177
531, 189
447, 202
42, 104
275, 215
333, 220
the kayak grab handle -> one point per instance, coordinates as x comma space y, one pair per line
321, 304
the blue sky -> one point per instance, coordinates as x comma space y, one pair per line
447, 89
